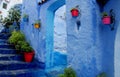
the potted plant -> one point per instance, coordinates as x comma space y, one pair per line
74, 12
25, 17
106, 19
28, 52
15, 37
19, 44
103, 74
68, 72
37, 24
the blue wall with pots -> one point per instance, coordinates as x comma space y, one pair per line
90, 44
116, 35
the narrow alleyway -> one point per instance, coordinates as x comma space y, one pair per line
12, 64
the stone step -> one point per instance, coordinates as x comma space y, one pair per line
5, 45
23, 73
11, 57
13, 65
3, 41
4, 35
8, 51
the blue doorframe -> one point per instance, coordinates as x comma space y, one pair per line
50, 30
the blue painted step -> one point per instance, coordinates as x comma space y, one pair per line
23, 73
7, 46
11, 57
3, 41
13, 65
4, 35
8, 51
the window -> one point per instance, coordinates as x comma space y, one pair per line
4, 5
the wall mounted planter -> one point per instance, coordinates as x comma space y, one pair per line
25, 19
106, 20
109, 19
74, 12
37, 25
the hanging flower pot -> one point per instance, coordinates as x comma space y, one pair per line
37, 24
74, 12
106, 20
25, 18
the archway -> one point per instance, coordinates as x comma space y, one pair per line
117, 53
50, 32
60, 35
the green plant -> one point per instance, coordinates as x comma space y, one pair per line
26, 48
19, 44
104, 14
15, 37
68, 72
73, 9
103, 74
25, 16
37, 22
13, 15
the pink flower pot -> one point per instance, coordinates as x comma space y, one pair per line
106, 20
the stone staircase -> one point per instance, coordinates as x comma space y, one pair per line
12, 64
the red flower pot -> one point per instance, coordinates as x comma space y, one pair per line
106, 20
74, 12
28, 56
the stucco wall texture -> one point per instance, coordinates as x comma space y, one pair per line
90, 50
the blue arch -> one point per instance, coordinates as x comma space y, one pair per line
49, 31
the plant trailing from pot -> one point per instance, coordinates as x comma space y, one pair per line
37, 24
106, 19
15, 37
68, 72
74, 12
28, 52
103, 74
19, 44
25, 17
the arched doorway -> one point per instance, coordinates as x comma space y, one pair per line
117, 53
60, 35
50, 35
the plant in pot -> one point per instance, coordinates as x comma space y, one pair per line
103, 74
74, 12
19, 44
68, 72
15, 37
37, 24
25, 17
106, 19
28, 52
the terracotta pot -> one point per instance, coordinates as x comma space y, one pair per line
28, 56
74, 12
37, 25
106, 20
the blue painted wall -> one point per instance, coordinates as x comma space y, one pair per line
90, 50
42, 39
115, 6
